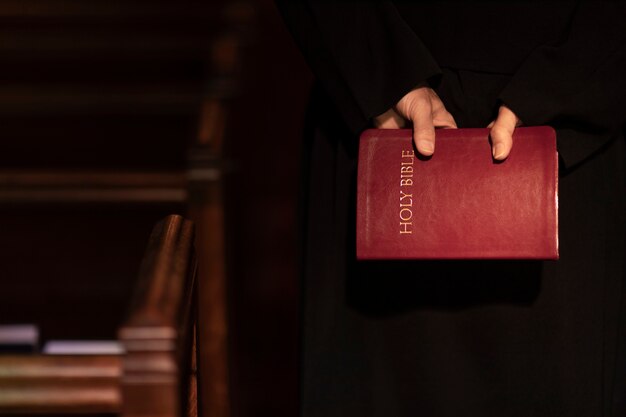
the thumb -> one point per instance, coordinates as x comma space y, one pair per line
502, 133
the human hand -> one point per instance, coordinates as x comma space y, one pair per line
423, 107
502, 132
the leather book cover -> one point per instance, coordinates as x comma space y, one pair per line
460, 203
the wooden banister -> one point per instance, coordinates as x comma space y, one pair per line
158, 333
161, 286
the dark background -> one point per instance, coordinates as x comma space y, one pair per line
264, 264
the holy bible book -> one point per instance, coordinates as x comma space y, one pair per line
460, 203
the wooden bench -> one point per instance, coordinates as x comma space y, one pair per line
154, 376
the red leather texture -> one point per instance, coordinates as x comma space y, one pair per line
460, 203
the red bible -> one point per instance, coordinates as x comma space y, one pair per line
459, 203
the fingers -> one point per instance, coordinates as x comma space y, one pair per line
423, 107
502, 133
389, 120
423, 127
441, 116
444, 119
416, 107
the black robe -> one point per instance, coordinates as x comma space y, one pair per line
480, 338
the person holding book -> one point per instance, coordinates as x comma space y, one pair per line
480, 338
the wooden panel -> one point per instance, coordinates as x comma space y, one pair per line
60, 384
114, 28
96, 142
85, 8
70, 99
23, 187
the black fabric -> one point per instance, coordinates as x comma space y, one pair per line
439, 339
567, 58
354, 48
577, 85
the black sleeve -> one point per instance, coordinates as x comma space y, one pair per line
578, 86
363, 53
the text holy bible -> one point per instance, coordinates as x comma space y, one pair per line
459, 203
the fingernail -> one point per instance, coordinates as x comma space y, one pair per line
498, 151
425, 147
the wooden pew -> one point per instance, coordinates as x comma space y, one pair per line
155, 376
99, 110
